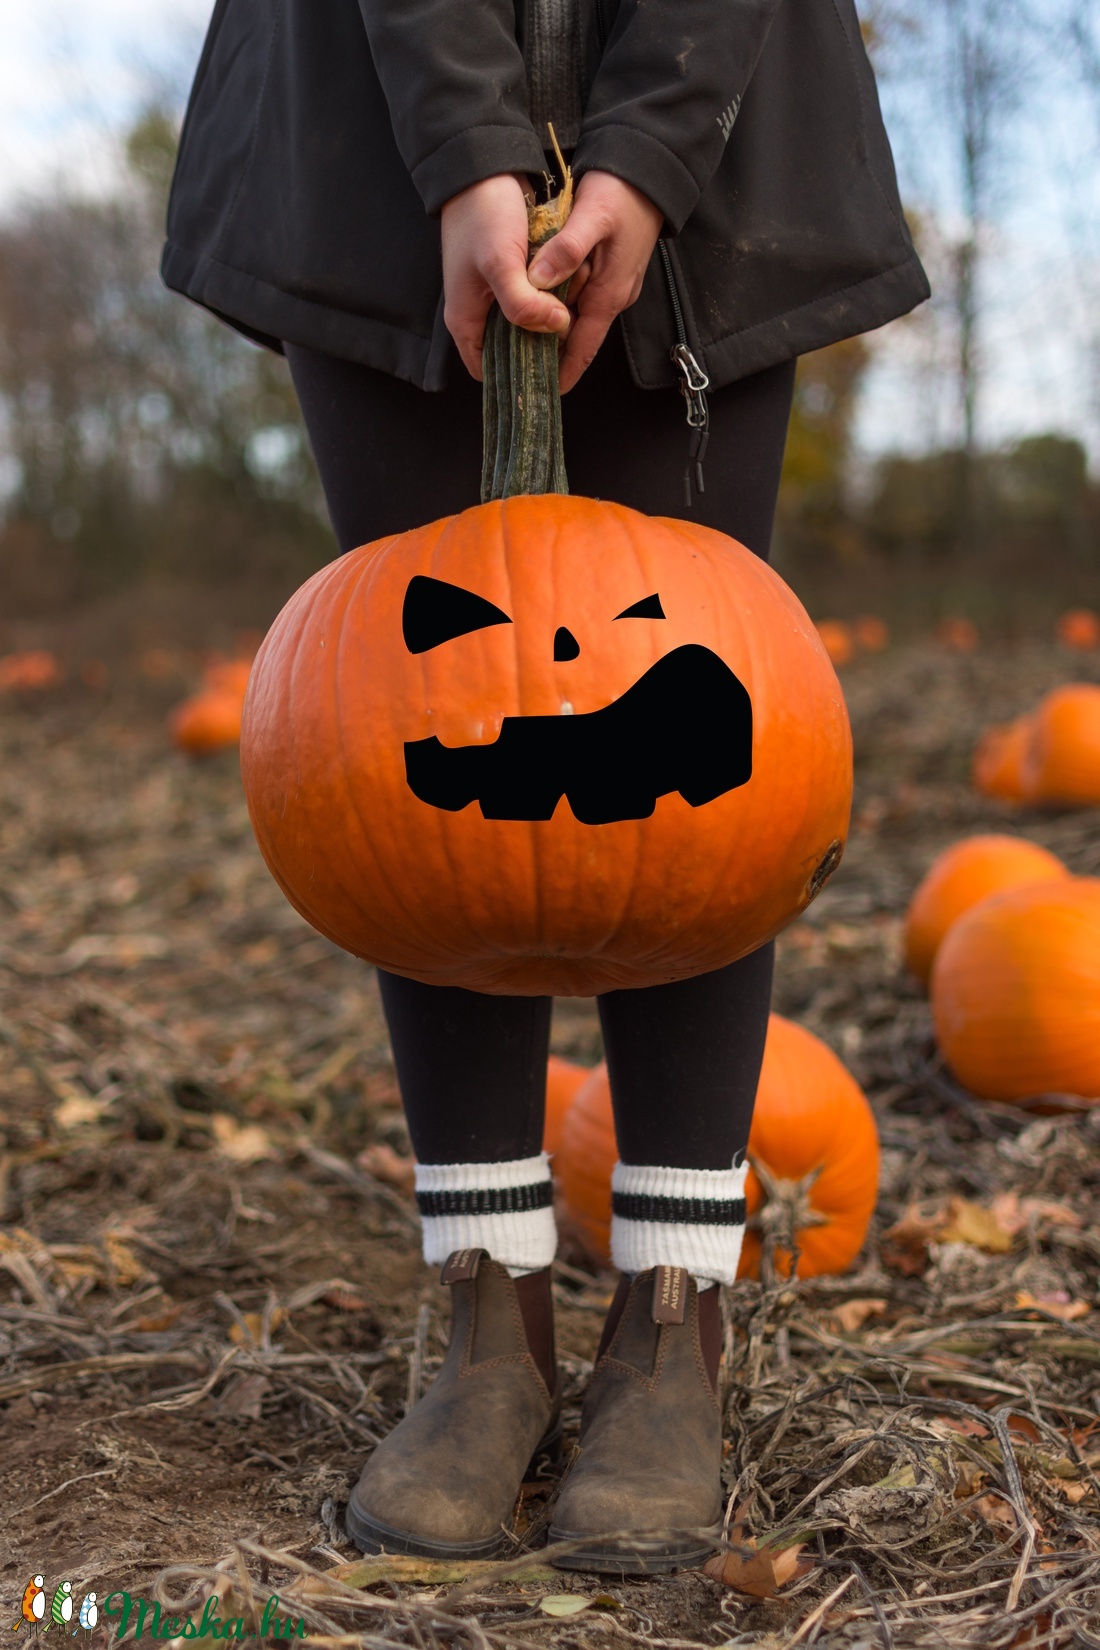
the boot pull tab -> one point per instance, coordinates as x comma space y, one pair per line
462, 1265
670, 1294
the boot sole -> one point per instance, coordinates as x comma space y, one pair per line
370, 1535
646, 1556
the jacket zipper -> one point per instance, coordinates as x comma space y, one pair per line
694, 382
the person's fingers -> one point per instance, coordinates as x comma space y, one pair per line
464, 314
579, 282
521, 302
562, 256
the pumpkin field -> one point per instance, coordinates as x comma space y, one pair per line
211, 1298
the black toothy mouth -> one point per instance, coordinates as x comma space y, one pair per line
686, 726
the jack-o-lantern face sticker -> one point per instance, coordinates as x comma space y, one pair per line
685, 725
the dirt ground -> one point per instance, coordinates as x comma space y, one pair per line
210, 1310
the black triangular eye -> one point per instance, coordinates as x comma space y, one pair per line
648, 608
436, 612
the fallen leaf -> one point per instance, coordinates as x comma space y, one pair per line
1015, 1212
1075, 1492
963, 1424
251, 1332
241, 1143
1057, 1302
383, 1163
158, 1321
243, 1397
996, 1511
970, 1479
563, 1604
335, 1292
851, 1316
76, 1110
758, 1571
972, 1223
426, 1572
905, 1244
1025, 1427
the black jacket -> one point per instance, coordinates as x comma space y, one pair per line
324, 136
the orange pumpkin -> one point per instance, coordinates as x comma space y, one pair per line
1016, 992
962, 875
997, 768
1062, 759
208, 721
563, 1080
1080, 629
958, 635
871, 634
30, 671
836, 638
228, 676
813, 1150
510, 750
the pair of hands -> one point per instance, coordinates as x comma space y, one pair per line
603, 252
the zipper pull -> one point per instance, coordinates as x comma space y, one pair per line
694, 384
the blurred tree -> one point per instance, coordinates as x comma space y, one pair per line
140, 433
813, 515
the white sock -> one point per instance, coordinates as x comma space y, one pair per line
504, 1208
678, 1217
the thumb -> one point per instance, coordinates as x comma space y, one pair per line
561, 257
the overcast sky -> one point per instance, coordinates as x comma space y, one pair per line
70, 74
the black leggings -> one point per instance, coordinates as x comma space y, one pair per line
684, 1059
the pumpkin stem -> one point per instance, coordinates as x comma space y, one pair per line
786, 1211
521, 402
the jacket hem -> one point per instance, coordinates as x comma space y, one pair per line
272, 317
846, 313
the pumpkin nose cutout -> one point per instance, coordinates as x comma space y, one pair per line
566, 646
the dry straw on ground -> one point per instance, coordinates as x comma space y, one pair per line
211, 1308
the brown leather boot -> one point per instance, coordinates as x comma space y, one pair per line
444, 1483
644, 1496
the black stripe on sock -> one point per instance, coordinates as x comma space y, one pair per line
486, 1200
686, 1211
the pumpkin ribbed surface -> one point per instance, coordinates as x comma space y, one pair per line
962, 875
813, 1139
548, 905
1016, 992
1062, 760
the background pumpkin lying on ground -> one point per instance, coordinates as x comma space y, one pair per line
813, 1148
963, 874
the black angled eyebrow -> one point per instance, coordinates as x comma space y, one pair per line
435, 612
648, 608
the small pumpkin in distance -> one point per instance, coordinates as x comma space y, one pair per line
1061, 763
30, 671
1016, 992
871, 634
963, 874
958, 635
836, 638
1079, 629
207, 722
997, 768
813, 1152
